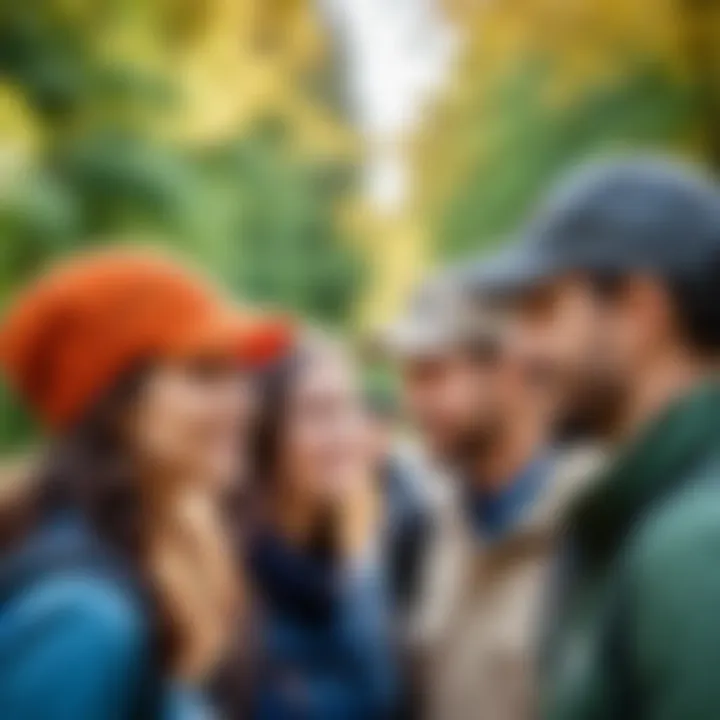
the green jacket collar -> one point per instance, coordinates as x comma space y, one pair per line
655, 463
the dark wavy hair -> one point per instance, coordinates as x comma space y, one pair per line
87, 470
232, 688
275, 387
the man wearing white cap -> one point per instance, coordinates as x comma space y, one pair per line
484, 419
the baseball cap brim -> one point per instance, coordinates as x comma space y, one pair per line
407, 338
250, 340
513, 271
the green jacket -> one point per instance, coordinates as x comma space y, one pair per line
636, 629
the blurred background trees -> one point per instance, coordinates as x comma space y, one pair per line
190, 123
544, 84
208, 126
223, 128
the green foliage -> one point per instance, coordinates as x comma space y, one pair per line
253, 212
51, 54
534, 142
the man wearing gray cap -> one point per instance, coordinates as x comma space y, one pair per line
435, 343
481, 418
616, 295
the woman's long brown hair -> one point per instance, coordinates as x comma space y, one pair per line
87, 471
275, 389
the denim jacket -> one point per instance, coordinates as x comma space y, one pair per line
75, 641
325, 646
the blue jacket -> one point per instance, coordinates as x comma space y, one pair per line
74, 642
325, 650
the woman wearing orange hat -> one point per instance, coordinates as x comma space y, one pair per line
116, 592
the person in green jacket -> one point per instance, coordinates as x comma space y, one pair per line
616, 295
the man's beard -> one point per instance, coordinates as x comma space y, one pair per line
593, 413
473, 444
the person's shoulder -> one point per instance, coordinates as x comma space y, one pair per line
88, 605
572, 473
80, 635
576, 467
428, 484
682, 530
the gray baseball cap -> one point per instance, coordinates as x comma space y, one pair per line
440, 315
642, 215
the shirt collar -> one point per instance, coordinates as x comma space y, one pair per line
493, 515
650, 465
